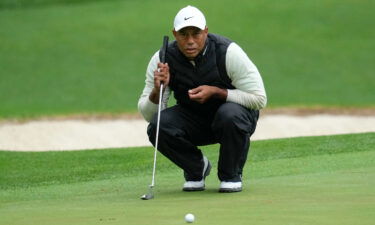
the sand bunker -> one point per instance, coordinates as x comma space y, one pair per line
79, 134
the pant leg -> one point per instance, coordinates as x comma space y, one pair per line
180, 132
233, 125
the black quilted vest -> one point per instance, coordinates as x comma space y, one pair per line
209, 69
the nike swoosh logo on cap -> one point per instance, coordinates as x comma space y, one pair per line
186, 18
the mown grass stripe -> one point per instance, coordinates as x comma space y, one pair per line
27, 169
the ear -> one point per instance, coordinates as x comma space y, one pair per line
206, 30
174, 33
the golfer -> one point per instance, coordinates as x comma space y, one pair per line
218, 92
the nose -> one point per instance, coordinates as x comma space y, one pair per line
189, 39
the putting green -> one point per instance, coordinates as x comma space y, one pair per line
321, 188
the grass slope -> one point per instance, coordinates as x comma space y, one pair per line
91, 57
314, 180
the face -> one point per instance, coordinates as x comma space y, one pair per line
191, 40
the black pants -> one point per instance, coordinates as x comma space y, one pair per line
182, 130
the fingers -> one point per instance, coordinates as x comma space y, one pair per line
161, 75
199, 94
195, 90
163, 68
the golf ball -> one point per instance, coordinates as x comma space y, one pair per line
189, 218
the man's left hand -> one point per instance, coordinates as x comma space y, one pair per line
203, 93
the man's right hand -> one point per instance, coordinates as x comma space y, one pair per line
161, 75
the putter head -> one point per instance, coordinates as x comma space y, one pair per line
149, 195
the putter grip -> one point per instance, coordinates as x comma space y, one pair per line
163, 49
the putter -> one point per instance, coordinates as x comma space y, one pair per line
150, 194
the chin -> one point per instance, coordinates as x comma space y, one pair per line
191, 56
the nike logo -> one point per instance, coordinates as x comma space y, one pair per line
186, 18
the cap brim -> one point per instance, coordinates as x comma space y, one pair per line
177, 28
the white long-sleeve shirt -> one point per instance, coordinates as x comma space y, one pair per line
241, 70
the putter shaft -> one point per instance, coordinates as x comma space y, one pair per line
157, 136
150, 194
162, 52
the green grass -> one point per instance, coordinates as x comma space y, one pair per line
9, 4
311, 180
61, 58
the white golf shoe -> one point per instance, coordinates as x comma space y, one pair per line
194, 186
198, 185
227, 187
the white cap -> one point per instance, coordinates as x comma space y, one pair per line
189, 17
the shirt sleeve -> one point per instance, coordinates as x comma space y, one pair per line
245, 78
145, 106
